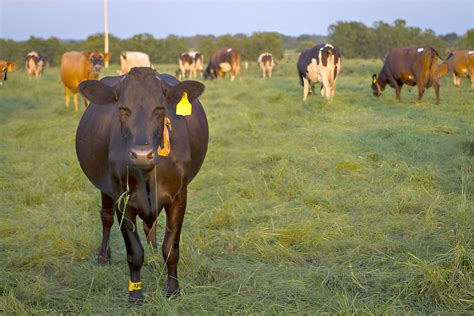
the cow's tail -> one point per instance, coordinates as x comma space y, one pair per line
433, 69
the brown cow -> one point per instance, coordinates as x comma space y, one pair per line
266, 63
461, 64
34, 64
77, 67
223, 61
5, 68
411, 66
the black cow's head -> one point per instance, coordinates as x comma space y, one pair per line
375, 86
145, 104
211, 71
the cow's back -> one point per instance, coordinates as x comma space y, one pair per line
75, 68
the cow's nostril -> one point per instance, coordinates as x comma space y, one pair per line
150, 155
133, 155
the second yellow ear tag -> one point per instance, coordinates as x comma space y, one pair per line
183, 107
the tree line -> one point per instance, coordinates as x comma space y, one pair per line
355, 39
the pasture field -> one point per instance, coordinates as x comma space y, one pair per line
363, 205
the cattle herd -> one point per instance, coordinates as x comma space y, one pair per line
142, 155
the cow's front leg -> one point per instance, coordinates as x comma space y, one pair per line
107, 218
135, 254
174, 221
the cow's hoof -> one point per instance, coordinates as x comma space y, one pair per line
136, 298
170, 293
103, 261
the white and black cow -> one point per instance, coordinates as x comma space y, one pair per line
266, 63
321, 63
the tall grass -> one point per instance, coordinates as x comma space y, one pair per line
361, 205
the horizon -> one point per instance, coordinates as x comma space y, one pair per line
22, 19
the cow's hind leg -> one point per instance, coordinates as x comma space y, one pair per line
66, 94
76, 101
436, 89
174, 222
107, 218
306, 88
150, 233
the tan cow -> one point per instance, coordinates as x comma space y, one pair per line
77, 67
5, 68
128, 60
461, 64
34, 64
266, 64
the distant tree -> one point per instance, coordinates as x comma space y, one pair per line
304, 45
468, 40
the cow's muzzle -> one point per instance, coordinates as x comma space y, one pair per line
142, 156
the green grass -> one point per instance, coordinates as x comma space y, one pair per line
361, 205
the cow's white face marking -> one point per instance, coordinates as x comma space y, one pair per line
419, 50
471, 52
229, 50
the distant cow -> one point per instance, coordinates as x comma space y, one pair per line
186, 65
5, 68
34, 64
226, 60
461, 64
135, 146
77, 67
128, 60
322, 63
411, 66
266, 63
198, 59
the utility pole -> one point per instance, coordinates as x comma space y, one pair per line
106, 33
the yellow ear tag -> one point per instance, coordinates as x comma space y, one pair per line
10, 68
374, 80
183, 107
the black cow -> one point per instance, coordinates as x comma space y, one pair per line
133, 145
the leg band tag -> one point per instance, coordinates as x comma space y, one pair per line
134, 286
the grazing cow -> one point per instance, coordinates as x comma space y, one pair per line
322, 63
34, 64
198, 59
141, 142
266, 64
411, 66
226, 60
461, 64
77, 67
128, 60
5, 68
186, 66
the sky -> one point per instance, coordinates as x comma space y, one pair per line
77, 19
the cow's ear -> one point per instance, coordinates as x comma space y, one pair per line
98, 92
106, 56
193, 90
